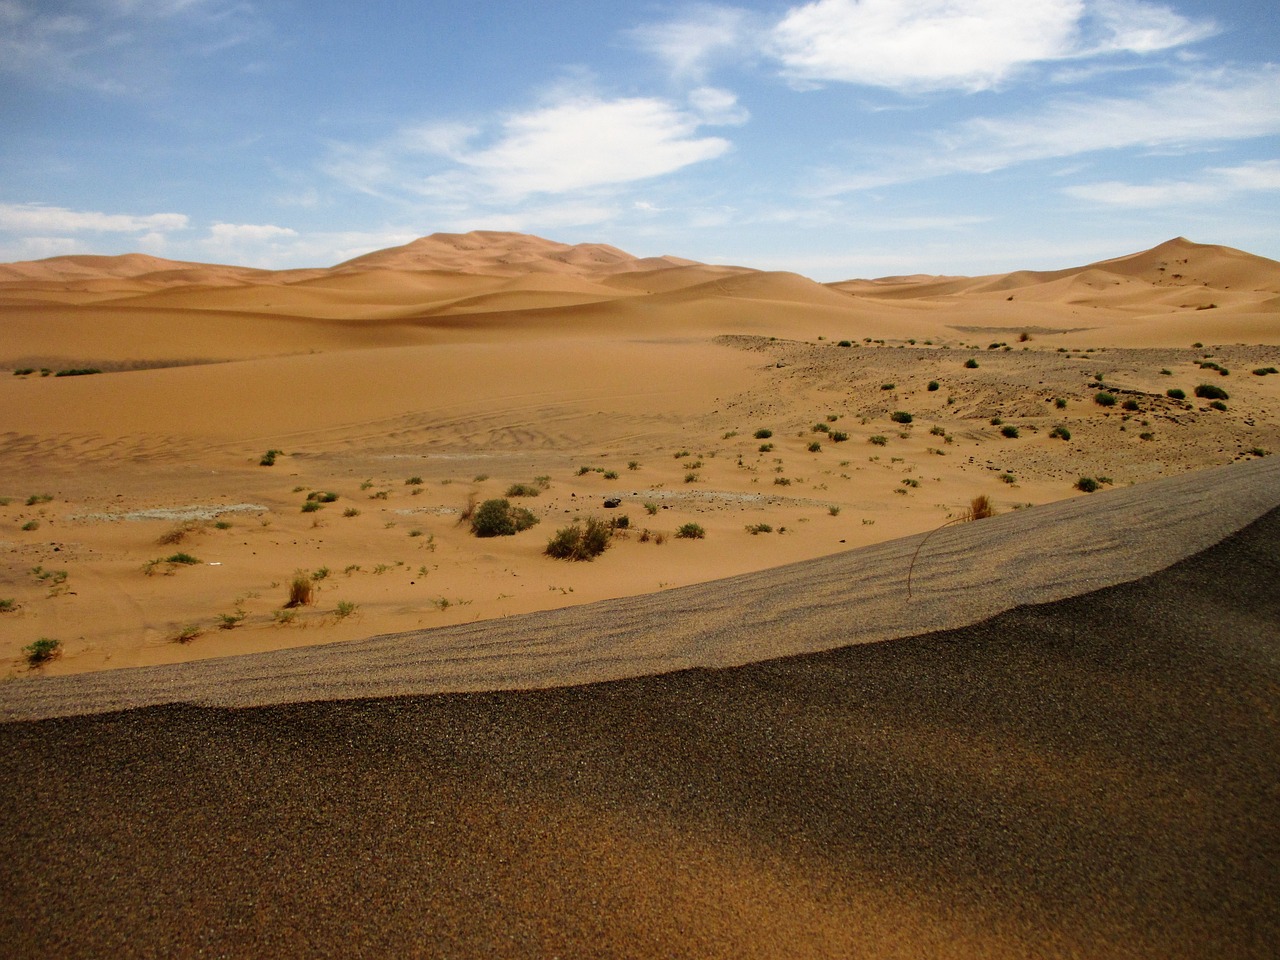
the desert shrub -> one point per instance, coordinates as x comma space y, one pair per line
8, 605
1208, 391
1176, 394
1060, 403
845, 343
301, 592
31, 525
821, 428
187, 634
766, 447
269, 458
1087, 484
1010, 431
322, 496
763, 433
690, 531
815, 447
1218, 405
1146, 436
1060, 433
782, 481
691, 477
185, 559
996, 421
1104, 399
888, 386
42, 651
980, 507
756, 529
311, 506
971, 364
413, 482
650, 508
351, 512
1263, 371
78, 372
839, 436
37, 498
24, 372
879, 440
901, 416
580, 541
1131, 405
344, 609
523, 490
498, 518
933, 386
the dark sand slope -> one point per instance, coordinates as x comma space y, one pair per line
1096, 777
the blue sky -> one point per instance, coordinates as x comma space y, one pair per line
836, 138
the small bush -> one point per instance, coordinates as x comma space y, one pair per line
971, 364
1060, 403
980, 507
1104, 399
839, 436
311, 506
879, 440
523, 490
845, 343
37, 498
763, 433
351, 512
933, 386
888, 386
581, 541
413, 482
691, 531
766, 447
31, 525
269, 458
1060, 433
1176, 394
901, 416
1218, 405
1208, 391
185, 559
1263, 371
1131, 405
1087, 485
815, 447
756, 529
8, 606
498, 518
301, 592
1010, 431
344, 609
42, 651
78, 372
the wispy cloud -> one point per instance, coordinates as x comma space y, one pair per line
36, 218
1185, 114
577, 143
703, 38
1214, 185
115, 47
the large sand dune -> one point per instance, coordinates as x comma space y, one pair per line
469, 363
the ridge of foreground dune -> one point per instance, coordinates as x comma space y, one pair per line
942, 580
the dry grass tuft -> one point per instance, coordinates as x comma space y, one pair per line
980, 508
301, 592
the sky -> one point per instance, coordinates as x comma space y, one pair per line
833, 138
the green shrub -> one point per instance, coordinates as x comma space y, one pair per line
933, 385
821, 428
1010, 431
845, 343
311, 506
269, 458
498, 518
1086, 484
322, 496
1060, 433
758, 528
301, 592
971, 364
1263, 371
1060, 403
879, 440
888, 386
1218, 405
37, 498
8, 605
1104, 399
1131, 405
815, 447
78, 372
413, 482
41, 651
185, 559
523, 490
766, 447
581, 541
901, 416
764, 433
1176, 394
691, 531
1208, 391
839, 436
344, 609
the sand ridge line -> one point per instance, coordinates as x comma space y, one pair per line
965, 574
177, 514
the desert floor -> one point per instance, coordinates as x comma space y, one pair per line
413, 384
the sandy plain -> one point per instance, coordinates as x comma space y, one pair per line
417, 381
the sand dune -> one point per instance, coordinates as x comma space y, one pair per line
469, 363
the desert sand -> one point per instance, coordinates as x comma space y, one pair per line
474, 362
847, 721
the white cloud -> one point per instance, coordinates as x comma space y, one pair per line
1183, 115
924, 45
228, 232
691, 45
1215, 185
576, 143
38, 218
